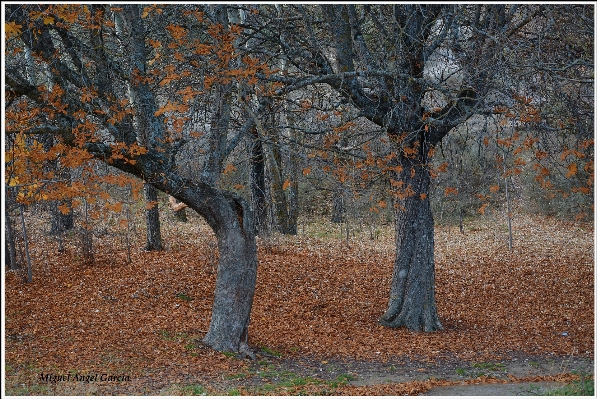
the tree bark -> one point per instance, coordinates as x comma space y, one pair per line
285, 218
258, 189
87, 238
412, 293
9, 244
152, 219
338, 207
235, 283
26, 243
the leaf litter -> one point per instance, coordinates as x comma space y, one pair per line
315, 299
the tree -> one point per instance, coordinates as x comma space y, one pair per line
90, 110
416, 71
146, 88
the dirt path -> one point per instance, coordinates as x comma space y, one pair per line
523, 375
273, 375
516, 389
487, 373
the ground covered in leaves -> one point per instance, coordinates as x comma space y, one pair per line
314, 322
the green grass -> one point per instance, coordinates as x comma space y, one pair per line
340, 381
184, 297
461, 372
31, 390
193, 390
170, 336
584, 387
237, 376
271, 352
298, 382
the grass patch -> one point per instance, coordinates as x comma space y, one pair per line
195, 390
237, 376
32, 390
271, 352
184, 297
340, 381
583, 387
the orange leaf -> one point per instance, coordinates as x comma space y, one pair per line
482, 209
451, 190
572, 169
64, 209
229, 168
286, 184
494, 188
306, 171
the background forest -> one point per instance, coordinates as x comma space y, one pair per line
343, 142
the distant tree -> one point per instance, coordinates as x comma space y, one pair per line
418, 72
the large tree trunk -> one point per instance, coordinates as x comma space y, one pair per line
235, 286
232, 221
412, 294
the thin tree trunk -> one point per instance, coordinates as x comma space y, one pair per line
509, 216
338, 207
10, 246
293, 210
149, 127
460, 217
128, 233
277, 188
152, 219
412, 294
26, 241
258, 189
87, 238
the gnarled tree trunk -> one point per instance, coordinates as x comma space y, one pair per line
235, 283
232, 221
412, 293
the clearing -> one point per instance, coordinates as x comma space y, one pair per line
525, 316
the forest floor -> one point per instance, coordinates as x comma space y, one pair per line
522, 317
